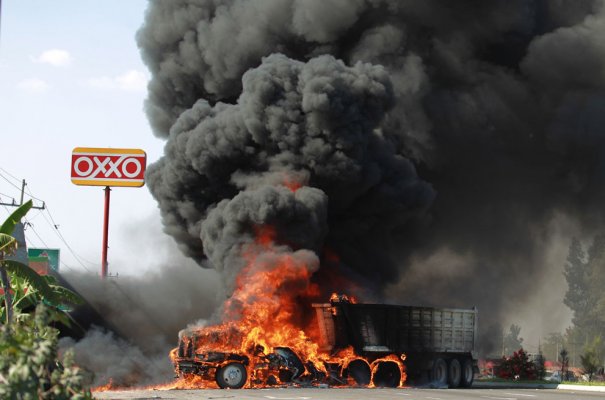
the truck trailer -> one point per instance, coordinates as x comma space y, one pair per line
438, 343
389, 342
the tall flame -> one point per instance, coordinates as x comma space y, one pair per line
264, 312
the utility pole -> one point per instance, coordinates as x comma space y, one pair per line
23, 184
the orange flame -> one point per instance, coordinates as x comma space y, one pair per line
264, 312
107, 387
390, 358
292, 182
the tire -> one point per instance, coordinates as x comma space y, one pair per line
454, 373
387, 374
438, 373
359, 371
231, 376
467, 373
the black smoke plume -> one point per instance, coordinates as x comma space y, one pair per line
441, 147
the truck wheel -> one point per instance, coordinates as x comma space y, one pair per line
359, 370
231, 376
387, 374
439, 372
454, 373
467, 375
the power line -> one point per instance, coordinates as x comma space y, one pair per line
7, 195
60, 236
31, 195
9, 182
35, 216
49, 220
54, 226
5, 171
29, 224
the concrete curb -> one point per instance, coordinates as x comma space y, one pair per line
584, 388
506, 385
514, 385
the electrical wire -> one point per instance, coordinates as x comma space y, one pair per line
5, 207
7, 195
50, 220
9, 182
29, 224
60, 236
9, 174
29, 192
55, 227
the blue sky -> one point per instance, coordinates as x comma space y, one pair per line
71, 75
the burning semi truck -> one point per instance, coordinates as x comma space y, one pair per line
359, 344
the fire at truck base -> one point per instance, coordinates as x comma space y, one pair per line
361, 345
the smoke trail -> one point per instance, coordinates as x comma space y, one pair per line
141, 309
496, 105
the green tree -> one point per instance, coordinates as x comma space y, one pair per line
564, 357
540, 365
590, 363
553, 343
595, 323
576, 273
512, 341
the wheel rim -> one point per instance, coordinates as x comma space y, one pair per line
440, 371
468, 372
454, 373
232, 375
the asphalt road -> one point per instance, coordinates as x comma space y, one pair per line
353, 394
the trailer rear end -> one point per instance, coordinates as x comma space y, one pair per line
438, 343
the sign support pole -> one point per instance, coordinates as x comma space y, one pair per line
94, 166
105, 234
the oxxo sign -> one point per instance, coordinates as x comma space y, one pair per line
108, 167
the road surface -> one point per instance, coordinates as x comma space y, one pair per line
353, 394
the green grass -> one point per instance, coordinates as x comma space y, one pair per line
541, 382
578, 383
593, 383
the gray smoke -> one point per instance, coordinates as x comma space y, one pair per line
227, 167
144, 312
437, 142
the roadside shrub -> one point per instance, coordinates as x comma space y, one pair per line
518, 367
30, 368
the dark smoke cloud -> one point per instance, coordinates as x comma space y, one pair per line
497, 105
308, 124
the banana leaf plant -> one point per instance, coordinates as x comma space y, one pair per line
22, 285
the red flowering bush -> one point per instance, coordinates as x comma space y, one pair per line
518, 367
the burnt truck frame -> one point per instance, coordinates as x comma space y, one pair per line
438, 344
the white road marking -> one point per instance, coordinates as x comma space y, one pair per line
499, 398
287, 398
433, 398
521, 394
